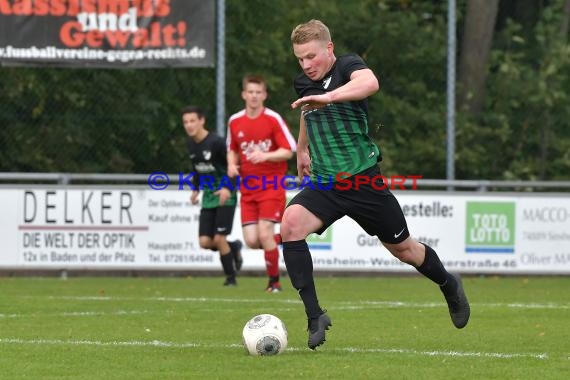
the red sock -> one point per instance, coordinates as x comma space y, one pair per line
272, 262
277, 238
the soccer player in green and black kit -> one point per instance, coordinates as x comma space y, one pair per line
208, 155
333, 139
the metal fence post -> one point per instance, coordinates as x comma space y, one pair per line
221, 67
451, 51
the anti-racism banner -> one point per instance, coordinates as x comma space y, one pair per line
107, 33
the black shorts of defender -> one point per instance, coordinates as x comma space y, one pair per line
376, 211
216, 221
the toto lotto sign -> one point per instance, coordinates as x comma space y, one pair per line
490, 227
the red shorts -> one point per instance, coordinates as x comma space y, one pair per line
262, 205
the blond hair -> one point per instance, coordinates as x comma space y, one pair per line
310, 31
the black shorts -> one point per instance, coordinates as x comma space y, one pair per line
376, 211
216, 221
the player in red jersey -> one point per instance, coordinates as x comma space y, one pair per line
259, 145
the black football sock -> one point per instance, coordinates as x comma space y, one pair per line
433, 269
233, 247
228, 264
300, 268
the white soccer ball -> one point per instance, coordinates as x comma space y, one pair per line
265, 335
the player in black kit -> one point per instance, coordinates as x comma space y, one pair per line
219, 198
333, 138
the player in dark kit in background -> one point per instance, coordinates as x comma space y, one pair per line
208, 155
333, 138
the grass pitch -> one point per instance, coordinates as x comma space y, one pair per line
190, 328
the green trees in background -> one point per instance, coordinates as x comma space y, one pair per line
521, 131
513, 107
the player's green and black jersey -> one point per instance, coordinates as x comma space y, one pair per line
210, 165
337, 133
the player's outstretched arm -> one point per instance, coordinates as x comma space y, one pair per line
362, 84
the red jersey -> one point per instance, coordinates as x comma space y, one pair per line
267, 132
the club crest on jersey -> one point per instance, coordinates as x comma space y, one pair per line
326, 82
207, 154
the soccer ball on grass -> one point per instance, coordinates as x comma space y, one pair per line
265, 335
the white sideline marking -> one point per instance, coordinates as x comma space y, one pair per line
76, 314
498, 355
158, 343
397, 304
153, 343
531, 305
343, 305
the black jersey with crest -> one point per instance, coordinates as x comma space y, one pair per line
337, 133
210, 166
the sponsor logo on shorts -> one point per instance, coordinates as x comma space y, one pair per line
399, 233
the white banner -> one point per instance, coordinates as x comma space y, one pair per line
136, 228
